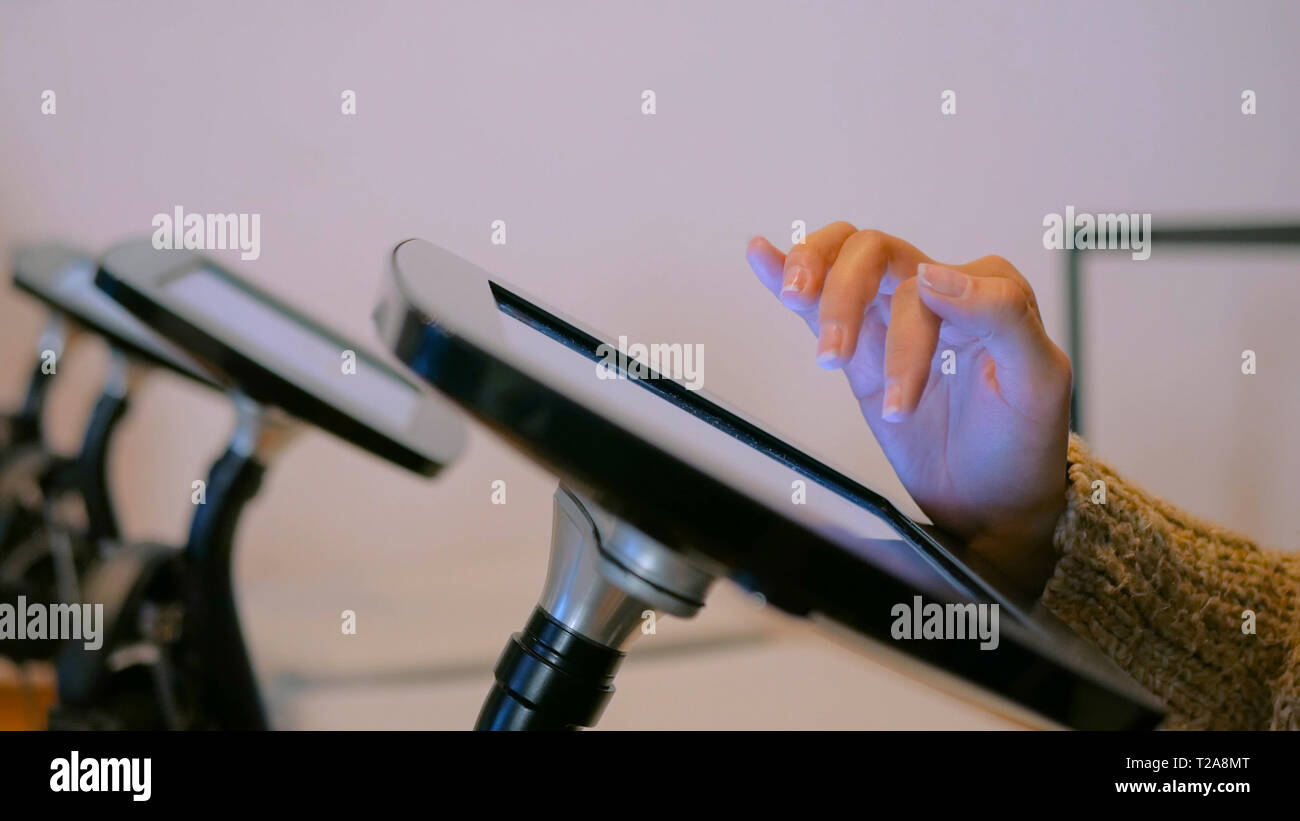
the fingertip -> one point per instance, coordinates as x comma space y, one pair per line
891, 408
793, 297
835, 345
829, 362
942, 280
921, 269
759, 251
799, 286
940, 304
766, 262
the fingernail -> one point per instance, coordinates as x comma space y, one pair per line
796, 279
943, 280
830, 345
892, 410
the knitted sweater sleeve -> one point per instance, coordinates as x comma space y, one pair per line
1202, 617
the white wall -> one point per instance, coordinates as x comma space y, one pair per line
767, 112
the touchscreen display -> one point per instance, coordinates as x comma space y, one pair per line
637, 404
297, 351
74, 290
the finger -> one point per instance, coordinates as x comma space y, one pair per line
910, 343
807, 263
1000, 311
851, 285
903, 259
865, 371
996, 266
990, 266
768, 264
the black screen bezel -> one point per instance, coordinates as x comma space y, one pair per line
146, 297
454, 345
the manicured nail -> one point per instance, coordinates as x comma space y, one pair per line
941, 280
796, 279
830, 346
892, 410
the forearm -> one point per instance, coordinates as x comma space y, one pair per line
1167, 596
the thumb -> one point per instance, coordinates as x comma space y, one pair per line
1000, 313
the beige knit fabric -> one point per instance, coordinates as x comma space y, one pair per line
1164, 593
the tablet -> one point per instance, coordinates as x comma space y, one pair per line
703, 479
265, 348
64, 279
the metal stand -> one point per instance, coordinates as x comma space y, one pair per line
606, 579
173, 653
213, 639
66, 512
24, 425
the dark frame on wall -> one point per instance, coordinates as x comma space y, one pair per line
1180, 237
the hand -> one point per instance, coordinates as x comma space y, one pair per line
981, 450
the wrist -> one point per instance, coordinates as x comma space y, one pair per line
1021, 547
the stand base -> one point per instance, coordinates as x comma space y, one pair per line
605, 579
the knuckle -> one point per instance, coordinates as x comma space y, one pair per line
867, 243
997, 262
1001, 265
1013, 301
831, 241
871, 237
805, 255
